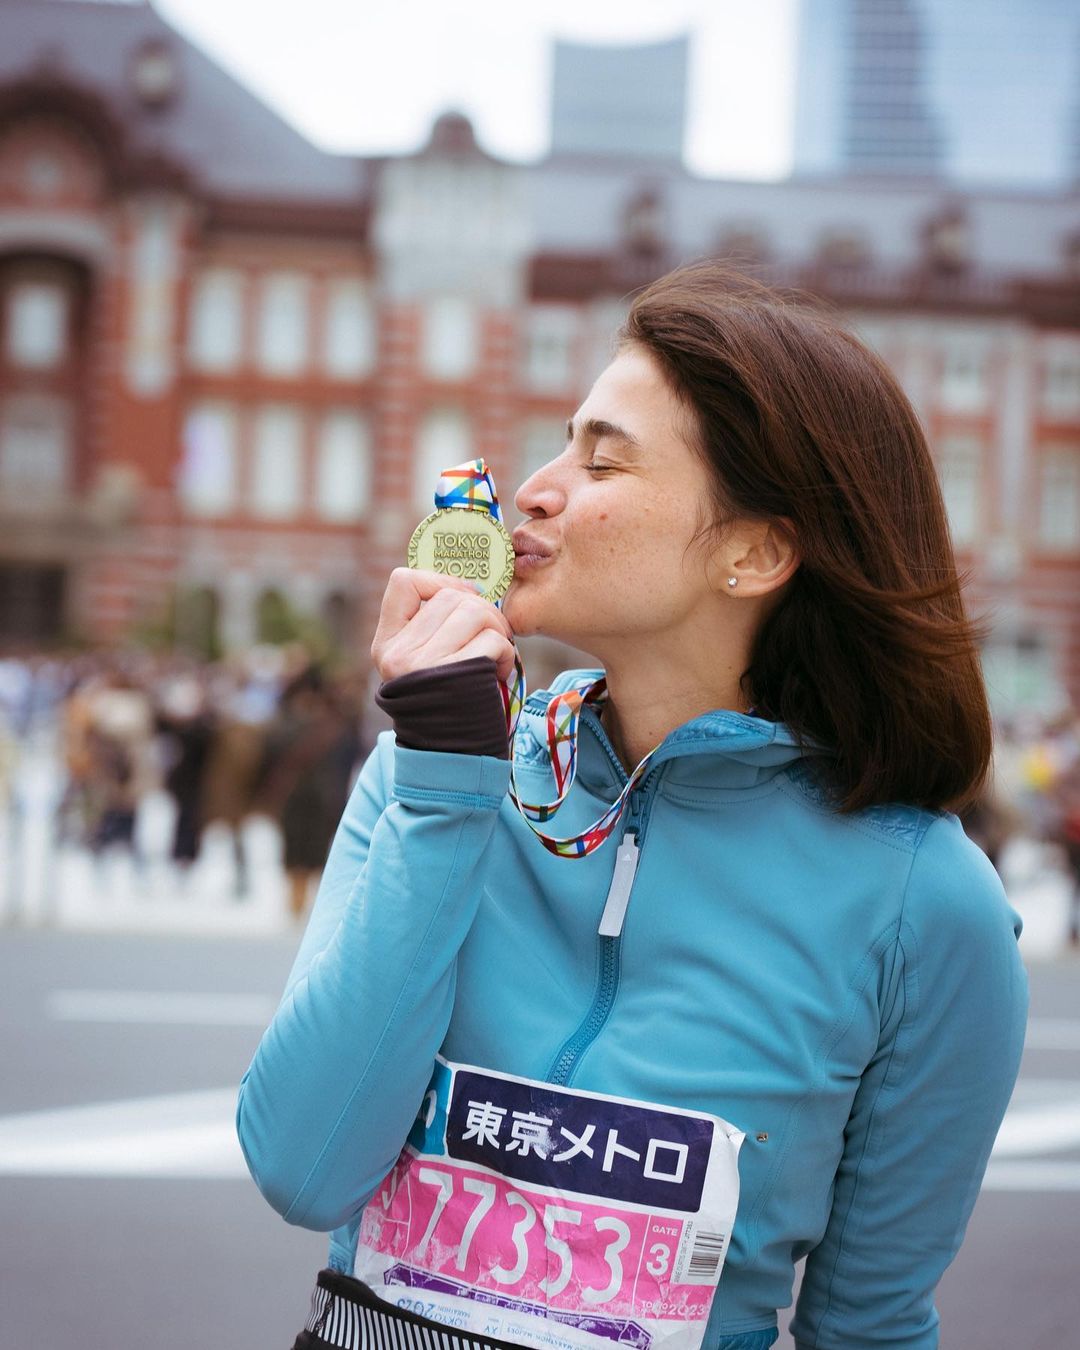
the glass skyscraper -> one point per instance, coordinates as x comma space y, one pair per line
620, 100
971, 91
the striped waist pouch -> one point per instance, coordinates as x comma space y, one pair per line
348, 1315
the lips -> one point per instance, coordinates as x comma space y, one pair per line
528, 547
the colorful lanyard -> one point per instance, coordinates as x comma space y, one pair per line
471, 487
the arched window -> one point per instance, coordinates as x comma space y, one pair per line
339, 618
947, 242
843, 250
744, 245
274, 620
644, 223
198, 621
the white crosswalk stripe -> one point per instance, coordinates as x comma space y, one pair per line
191, 1134
183, 1134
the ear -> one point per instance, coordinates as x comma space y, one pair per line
761, 555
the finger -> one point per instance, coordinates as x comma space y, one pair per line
488, 643
408, 588
437, 612
434, 613
459, 627
446, 623
406, 591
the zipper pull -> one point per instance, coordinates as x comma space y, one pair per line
622, 880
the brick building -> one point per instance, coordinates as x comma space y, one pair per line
231, 365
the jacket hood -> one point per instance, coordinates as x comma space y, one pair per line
721, 748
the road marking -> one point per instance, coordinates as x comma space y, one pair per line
154, 1006
1053, 1127
1052, 1033
192, 1134
1032, 1176
182, 1134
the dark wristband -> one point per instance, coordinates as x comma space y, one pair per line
456, 709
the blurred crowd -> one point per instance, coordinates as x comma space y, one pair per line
269, 733
1034, 791
272, 733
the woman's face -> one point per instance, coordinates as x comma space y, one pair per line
608, 552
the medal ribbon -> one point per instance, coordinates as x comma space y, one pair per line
471, 487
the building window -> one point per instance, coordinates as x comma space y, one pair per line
644, 226
277, 462
743, 245
843, 250
33, 601
216, 327
549, 348
1061, 384
208, 467
1071, 256
947, 239
959, 465
450, 343
964, 384
37, 324
444, 440
282, 330
198, 621
349, 331
542, 440
275, 622
343, 466
339, 619
35, 450
1059, 497
1020, 669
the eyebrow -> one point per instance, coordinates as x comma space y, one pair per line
601, 430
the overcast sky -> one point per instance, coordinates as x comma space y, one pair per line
369, 76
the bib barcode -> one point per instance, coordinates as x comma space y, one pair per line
707, 1254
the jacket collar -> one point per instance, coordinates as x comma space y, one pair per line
742, 750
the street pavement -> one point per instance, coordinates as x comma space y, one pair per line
128, 1217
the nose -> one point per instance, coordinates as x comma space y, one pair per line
542, 494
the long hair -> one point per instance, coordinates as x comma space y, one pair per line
869, 653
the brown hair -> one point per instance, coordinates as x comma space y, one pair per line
869, 651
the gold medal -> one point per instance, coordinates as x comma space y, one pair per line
469, 544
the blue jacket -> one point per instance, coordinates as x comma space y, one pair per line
845, 990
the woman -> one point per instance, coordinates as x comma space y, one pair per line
307, 766
812, 968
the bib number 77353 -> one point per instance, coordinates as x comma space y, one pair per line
524, 1215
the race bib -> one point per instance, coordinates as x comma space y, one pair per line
551, 1217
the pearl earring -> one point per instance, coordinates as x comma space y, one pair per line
733, 582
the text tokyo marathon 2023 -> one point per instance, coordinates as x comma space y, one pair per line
463, 546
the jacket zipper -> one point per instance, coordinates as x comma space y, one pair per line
609, 940
622, 882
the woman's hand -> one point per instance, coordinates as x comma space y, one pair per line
432, 620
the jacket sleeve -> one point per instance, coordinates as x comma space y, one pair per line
927, 1109
337, 1079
